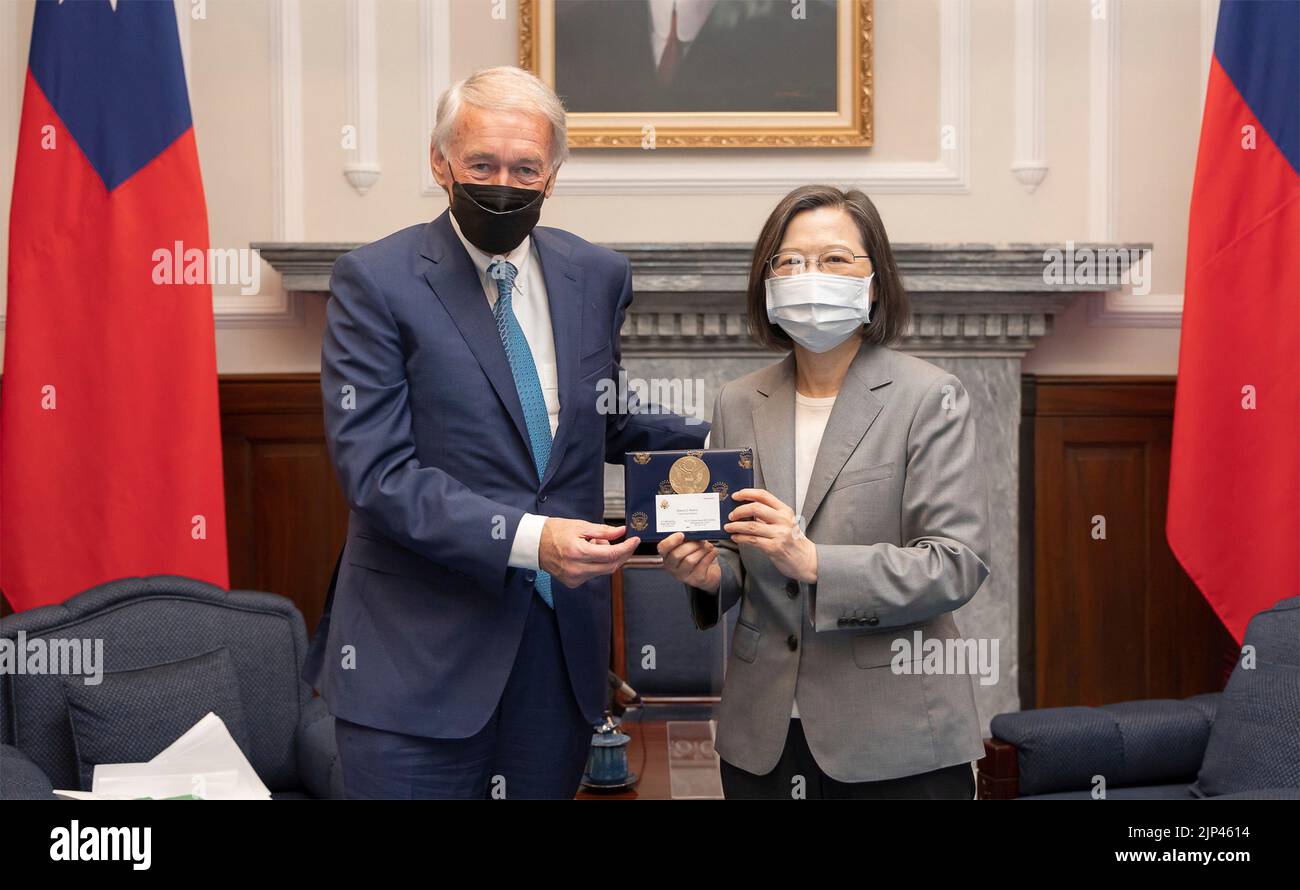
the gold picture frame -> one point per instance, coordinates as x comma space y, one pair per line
848, 126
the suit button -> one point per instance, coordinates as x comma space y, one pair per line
844, 622
543, 498
792, 642
873, 621
792, 589
530, 576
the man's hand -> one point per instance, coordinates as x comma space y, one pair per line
768, 525
573, 551
691, 562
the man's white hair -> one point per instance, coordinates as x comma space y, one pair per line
504, 88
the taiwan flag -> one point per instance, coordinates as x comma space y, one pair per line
110, 440
1234, 487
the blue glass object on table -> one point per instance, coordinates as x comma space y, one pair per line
607, 762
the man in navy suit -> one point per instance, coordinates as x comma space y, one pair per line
466, 648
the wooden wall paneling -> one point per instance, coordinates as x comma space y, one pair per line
1114, 619
285, 515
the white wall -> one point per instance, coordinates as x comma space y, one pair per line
1135, 75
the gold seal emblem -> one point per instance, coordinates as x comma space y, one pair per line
639, 521
665, 487
663, 505
641, 457
689, 475
746, 459
722, 490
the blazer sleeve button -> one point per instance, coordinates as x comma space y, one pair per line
873, 621
792, 588
793, 642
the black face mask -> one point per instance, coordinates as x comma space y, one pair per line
495, 218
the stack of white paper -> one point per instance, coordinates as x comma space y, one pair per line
204, 762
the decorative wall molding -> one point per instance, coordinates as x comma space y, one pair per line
1122, 310
362, 168
1103, 120
1118, 309
706, 173
287, 188
1030, 164
286, 120
435, 77
273, 310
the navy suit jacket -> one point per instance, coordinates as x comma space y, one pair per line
429, 444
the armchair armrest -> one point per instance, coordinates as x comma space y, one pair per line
1131, 743
997, 773
318, 762
20, 778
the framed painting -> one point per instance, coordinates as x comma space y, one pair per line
705, 73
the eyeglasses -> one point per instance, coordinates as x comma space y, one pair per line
837, 261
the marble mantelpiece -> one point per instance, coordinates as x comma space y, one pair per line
977, 309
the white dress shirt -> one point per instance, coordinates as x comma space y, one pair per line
810, 417
533, 311
691, 16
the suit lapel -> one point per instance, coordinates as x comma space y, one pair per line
456, 283
564, 296
773, 412
856, 408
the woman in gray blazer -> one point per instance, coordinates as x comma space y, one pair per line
864, 532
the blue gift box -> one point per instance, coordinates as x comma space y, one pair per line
653, 479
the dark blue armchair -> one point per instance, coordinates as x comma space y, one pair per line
159, 653
1243, 742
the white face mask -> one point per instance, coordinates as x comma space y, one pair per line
817, 310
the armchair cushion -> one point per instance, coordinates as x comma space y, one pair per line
132, 715
20, 778
1255, 743
1176, 791
1148, 743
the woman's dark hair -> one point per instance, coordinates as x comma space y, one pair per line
889, 317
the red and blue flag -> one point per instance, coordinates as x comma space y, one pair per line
110, 440
1234, 488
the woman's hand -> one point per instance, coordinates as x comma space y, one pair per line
691, 562
771, 527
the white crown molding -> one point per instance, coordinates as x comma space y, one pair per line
954, 93
600, 172
1030, 164
1103, 120
362, 169
435, 77
283, 309
286, 121
1123, 310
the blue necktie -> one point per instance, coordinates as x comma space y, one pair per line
527, 384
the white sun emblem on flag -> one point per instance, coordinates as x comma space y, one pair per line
112, 3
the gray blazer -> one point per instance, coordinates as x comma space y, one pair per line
896, 506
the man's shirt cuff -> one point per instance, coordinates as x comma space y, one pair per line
528, 539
